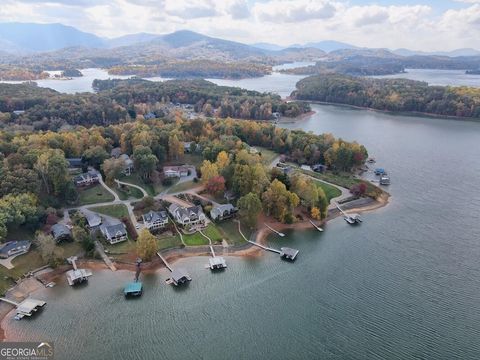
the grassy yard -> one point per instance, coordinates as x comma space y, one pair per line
127, 192
93, 195
183, 186
168, 241
229, 230
136, 179
267, 155
31, 261
117, 211
195, 239
119, 248
193, 159
329, 190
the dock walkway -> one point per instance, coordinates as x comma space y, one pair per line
256, 244
104, 256
165, 261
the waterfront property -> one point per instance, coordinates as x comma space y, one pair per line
12, 248
385, 180
180, 276
187, 216
154, 220
61, 232
86, 179
114, 233
175, 171
353, 219
222, 211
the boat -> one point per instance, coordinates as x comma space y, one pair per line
352, 219
371, 161
385, 180
380, 171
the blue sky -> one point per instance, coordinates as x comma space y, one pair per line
414, 24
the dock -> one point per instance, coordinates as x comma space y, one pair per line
315, 226
77, 276
273, 230
283, 252
179, 275
27, 307
134, 288
215, 262
352, 219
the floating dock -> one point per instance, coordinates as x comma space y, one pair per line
179, 275
352, 219
27, 307
273, 230
289, 253
215, 262
77, 276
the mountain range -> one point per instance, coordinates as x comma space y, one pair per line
27, 38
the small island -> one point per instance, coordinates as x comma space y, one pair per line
71, 72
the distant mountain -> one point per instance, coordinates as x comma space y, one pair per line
453, 53
330, 45
131, 39
29, 37
268, 46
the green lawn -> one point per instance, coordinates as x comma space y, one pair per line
117, 211
267, 155
136, 179
119, 248
183, 186
229, 230
329, 190
93, 195
170, 241
195, 239
193, 159
127, 192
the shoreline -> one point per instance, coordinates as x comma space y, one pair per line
30, 285
400, 113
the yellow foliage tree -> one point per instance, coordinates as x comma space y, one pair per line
222, 160
315, 213
208, 170
146, 245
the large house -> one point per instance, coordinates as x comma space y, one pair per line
114, 233
175, 171
222, 212
75, 163
154, 220
93, 219
12, 248
86, 179
61, 232
187, 216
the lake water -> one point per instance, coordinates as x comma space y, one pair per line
405, 284
439, 77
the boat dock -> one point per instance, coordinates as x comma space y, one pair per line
352, 219
215, 262
284, 252
134, 288
273, 230
77, 276
179, 275
27, 307
315, 226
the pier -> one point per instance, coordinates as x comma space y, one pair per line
315, 226
284, 252
215, 262
77, 276
179, 275
27, 307
134, 288
275, 231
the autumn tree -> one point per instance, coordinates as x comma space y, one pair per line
315, 213
208, 170
279, 202
146, 245
95, 156
17, 210
222, 160
53, 169
249, 207
175, 148
145, 162
49, 251
113, 169
306, 190
216, 185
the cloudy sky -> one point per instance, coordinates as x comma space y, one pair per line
414, 24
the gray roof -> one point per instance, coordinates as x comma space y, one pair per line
193, 211
114, 230
14, 245
222, 210
93, 219
292, 253
153, 216
116, 152
84, 176
59, 230
179, 273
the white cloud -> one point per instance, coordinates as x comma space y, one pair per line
277, 21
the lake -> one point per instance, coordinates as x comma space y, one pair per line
438, 77
405, 284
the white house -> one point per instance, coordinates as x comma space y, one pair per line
187, 216
128, 169
175, 171
114, 233
154, 220
86, 179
